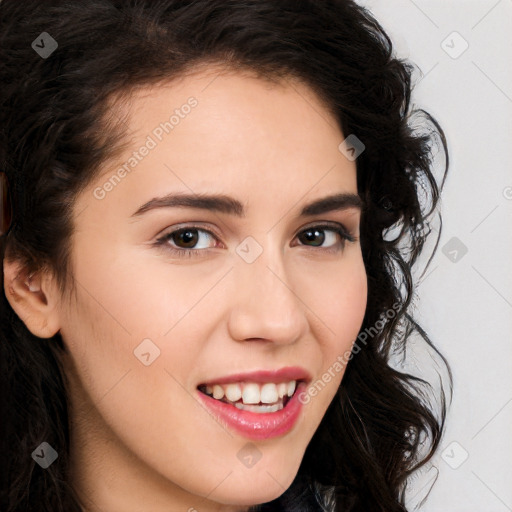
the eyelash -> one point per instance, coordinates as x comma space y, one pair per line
339, 229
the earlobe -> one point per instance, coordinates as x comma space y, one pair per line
33, 297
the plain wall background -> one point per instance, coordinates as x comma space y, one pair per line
465, 299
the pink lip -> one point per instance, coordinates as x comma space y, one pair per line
255, 425
282, 375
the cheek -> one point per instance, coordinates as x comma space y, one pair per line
341, 304
132, 295
130, 397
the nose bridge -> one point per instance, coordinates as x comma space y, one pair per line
265, 306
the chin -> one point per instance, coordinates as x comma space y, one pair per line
249, 490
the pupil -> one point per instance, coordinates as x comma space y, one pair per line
310, 234
188, 236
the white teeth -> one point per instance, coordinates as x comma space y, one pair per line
268, 393
233, 392
291, 387
218, 392
259, 408
252, 393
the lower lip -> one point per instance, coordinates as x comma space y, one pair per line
256, 425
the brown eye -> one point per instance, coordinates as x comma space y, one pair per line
317, 236
186, 236
184, 241
312, 235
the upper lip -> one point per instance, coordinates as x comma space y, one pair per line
285, 374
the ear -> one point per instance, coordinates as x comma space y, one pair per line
34, 298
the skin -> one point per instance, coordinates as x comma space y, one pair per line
140, 438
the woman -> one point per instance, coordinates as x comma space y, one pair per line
201, 293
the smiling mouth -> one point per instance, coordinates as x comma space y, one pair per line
251, 396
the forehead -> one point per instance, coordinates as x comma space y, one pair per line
221, 130
228, 101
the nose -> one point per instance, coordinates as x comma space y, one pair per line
265, 306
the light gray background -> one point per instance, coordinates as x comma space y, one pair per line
466, 305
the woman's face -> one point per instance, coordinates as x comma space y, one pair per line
262, 288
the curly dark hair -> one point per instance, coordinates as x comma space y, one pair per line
56, 130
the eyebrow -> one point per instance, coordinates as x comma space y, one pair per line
228, 205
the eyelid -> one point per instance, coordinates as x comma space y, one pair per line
209, 227
329, 224
189, 225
